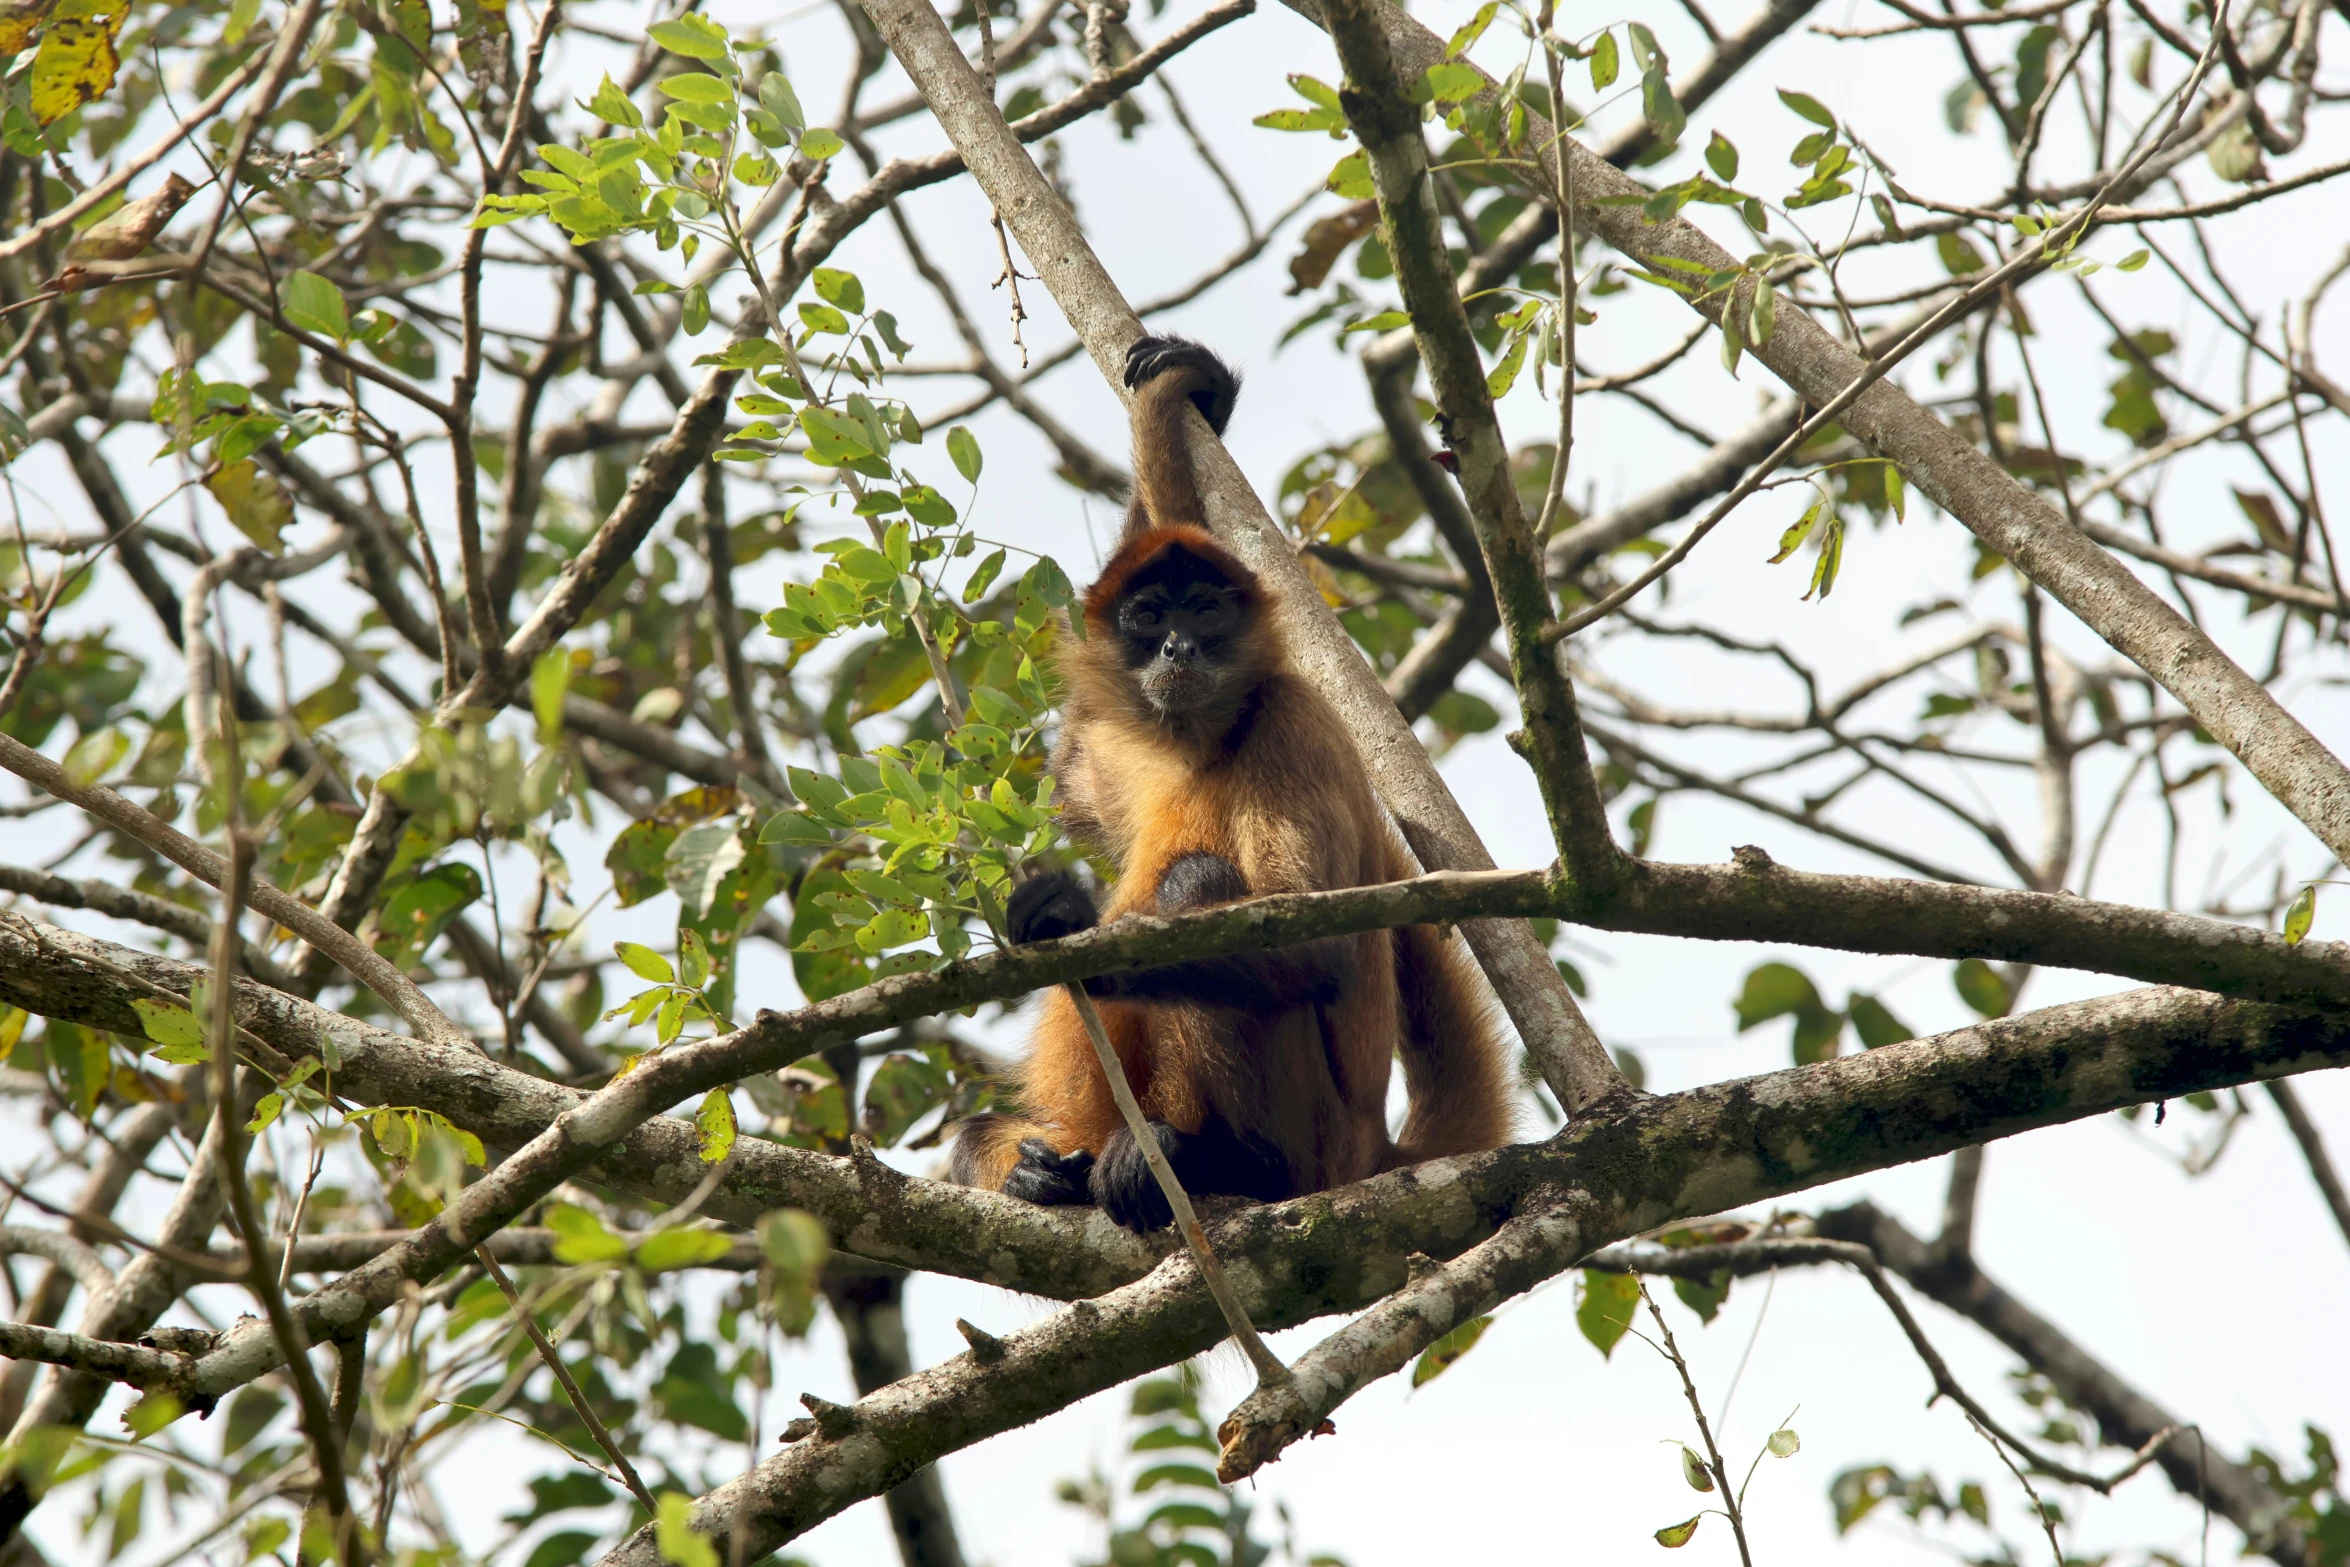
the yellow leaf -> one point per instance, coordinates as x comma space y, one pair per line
18, 19
254, 501
77, 61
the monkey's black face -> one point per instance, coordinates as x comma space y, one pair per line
1180, 636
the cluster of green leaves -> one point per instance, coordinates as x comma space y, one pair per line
692, 157
1857, 1492
1189, 1519
1666, 119
1776, 990
2319, 1505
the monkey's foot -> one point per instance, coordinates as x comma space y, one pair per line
1123, 1186
1214, 387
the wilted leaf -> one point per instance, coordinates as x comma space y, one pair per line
1693, 1469
714, 1121
76, 62
1438, 1357
1326, 239
255, 502
2299, 916
1677, 1535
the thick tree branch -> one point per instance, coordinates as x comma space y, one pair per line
1624, 1171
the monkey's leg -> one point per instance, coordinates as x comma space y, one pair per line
1012, 1156
1215, 1159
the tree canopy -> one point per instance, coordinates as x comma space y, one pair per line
537, 542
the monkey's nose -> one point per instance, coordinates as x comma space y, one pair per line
1178, 648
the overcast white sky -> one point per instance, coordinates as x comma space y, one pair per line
2221, 1297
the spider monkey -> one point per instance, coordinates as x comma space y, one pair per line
1198, 760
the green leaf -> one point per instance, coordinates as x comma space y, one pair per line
1351, 178
1762, 320
839, 288
1809, 107
1438, 1357
1603, 62
1314, 90
1981, 988
715, 1122
963, 449
313, 304
1300, 120
1384, 321
2133, 261
1784, 1443
581, 1237
1453, 82
1646, 56
1798, 531
1874, 1022
695, 37
1471, 30
697, 86
777, 98
702, 857
820, 144
644, 962
1693, 1469
1722, 158
152, 1413
1605, 1311
696, 310
1660, 108
983, 576
672, 1532
172, 1026
550, 678
612, 106
417, 914
1673, 1537
666, 1249
794, 1242
1774, 990
1896, 492
2297, 917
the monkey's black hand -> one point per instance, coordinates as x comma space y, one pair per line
1047, 907
1049, 1179
1123, 1186
1215, 388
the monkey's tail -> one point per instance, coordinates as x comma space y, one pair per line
1453, 1067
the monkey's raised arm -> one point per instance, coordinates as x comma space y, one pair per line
1165, 373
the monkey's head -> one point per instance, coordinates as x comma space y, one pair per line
1184, 621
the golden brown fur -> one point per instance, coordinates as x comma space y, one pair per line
1264, 778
